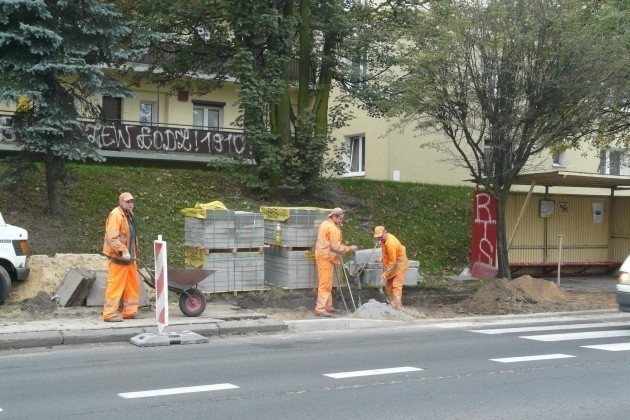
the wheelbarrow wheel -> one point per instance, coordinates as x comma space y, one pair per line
192, 303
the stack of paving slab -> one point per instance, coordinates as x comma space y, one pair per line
289, 259
371, 274
232, 242
224, 229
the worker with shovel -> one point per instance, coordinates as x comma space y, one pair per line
328, 252
395, 265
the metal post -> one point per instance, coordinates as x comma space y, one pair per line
520, 215
559, 256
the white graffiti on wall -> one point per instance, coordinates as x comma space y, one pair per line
149, 138
122, 136
485, 220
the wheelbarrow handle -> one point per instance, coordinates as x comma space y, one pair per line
150, 280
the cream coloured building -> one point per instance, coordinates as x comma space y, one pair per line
182, 126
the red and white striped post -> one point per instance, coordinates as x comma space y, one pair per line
161, 283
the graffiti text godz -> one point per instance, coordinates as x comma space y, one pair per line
164, 139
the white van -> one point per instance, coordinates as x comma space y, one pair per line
623, 286
13, 251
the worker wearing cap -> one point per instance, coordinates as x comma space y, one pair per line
121, 248
328, 252
395, 265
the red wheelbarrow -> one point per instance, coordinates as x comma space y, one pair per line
183, 281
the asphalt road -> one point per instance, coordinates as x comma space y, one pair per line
569, 368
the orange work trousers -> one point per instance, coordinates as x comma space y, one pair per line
122, 283
394, 288
325, 270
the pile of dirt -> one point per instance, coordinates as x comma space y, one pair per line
501, 296
47, 273
40, 305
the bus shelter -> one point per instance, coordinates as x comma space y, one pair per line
586, 231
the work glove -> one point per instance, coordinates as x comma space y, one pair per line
126, 256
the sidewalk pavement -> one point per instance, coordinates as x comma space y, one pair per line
215, 320
227, 319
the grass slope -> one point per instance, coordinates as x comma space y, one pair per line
433, 222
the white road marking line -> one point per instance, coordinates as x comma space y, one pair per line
342, 375
578, 336
531, 358
610, 347
550, 328
174, 391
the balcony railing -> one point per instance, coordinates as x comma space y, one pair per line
122, 136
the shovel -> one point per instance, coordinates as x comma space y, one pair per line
380, 289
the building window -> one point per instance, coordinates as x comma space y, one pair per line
207, 116
613, 162
112, 109
358, 64
148, 111
355, 155
559, 158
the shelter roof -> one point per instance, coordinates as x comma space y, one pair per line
573, 179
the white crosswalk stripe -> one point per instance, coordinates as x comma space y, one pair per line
597, 333
578, 336
531, 358
610, 347
549, 328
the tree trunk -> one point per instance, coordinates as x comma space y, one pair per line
503, 262
54, 171
304, 76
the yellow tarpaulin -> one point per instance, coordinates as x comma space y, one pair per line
281, 214
199, 211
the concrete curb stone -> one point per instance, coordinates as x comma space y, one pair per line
31, 339
118, 334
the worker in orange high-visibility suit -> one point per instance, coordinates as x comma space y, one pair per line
121, 248
328, 252
395, 265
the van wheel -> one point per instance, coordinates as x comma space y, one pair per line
5, 284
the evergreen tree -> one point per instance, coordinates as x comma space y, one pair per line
56, 57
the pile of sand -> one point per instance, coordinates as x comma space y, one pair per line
512, 296
377, 310
47, 273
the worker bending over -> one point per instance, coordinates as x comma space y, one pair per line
395, 265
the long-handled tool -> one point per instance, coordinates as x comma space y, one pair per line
355, 270
345, 275
380, 289
343, 299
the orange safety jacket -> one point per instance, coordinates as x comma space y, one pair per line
118, 235
394, 256
329, 246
